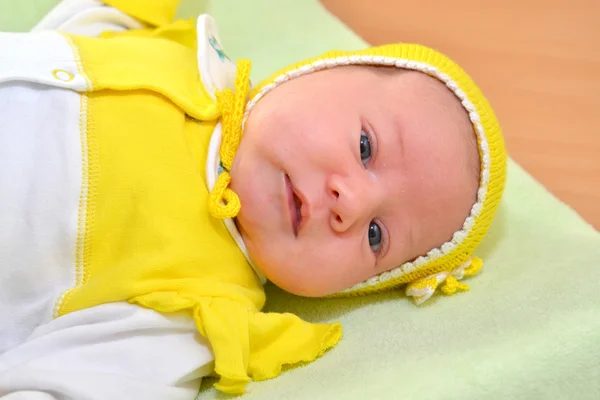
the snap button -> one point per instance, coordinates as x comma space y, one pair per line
63, 75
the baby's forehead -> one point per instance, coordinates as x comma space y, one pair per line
437, 103
424, 91
426, 85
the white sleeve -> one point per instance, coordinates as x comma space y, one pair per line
113, 351
86, 18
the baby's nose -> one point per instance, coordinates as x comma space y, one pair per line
353, 202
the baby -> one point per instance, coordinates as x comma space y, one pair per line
147, 194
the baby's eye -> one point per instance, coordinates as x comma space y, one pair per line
365, 147
374, 237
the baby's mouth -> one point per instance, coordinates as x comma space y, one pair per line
294, 205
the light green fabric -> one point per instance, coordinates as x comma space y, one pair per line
528, 329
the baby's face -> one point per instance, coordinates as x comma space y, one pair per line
350, 172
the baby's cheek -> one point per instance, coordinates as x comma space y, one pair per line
312, 268
274, 123
292, 274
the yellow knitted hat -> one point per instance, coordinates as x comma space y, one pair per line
446, 265
440, 267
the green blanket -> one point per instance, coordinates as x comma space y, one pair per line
528, 329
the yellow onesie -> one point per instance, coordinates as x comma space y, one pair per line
149, 237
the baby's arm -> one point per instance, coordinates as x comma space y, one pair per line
112, 351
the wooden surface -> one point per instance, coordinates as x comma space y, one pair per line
538, 61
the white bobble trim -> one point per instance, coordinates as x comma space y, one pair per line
408, 268
469, 222
468, 106
401, 63
443, 77
459, 236
435, 253
270, 87
281, 79
258, 97
481, 193
460, 94
353, 288
448, 247
305, 69
477, 207
421, 66
431, 70
486, 161
420, 261
372, 281
320, 64
485, 179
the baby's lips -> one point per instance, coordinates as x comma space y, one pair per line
291, 202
